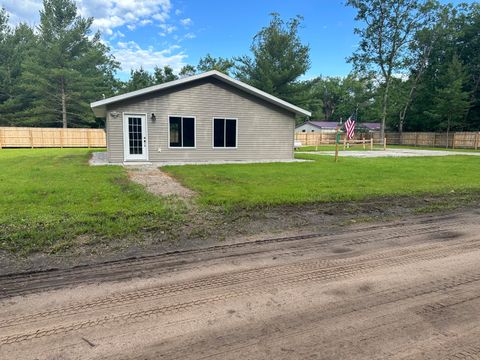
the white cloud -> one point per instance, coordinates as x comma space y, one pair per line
107, 14
23, 11
189, 36
178, 12
132, 56
186, 22
167, 29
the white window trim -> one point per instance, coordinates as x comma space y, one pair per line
125, 115
213, 133
194, 130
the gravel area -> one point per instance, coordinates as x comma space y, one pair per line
157, 182
392, 153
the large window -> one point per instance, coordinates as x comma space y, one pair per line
224, 133
182, 131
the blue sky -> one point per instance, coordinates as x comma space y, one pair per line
178, 32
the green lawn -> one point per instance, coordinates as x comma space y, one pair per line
323, 180
52, 199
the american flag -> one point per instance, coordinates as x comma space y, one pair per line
350, 128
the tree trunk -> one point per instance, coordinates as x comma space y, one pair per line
64, 105
448, 130
384, 108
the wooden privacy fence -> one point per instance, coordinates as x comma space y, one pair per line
22, 137
464, 140
460, 140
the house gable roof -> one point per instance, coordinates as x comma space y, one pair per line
99, 107
322, 124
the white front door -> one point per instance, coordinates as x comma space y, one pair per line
135, 137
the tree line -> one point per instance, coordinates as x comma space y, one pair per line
416, 68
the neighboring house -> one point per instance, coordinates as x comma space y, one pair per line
199, 118
326, 127
317, 126
369, 127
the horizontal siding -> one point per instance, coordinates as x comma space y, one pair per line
264, 130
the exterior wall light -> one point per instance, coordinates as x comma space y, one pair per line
153, 117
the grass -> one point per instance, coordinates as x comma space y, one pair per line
323, 180
52, 199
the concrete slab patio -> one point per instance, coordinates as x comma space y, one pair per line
392, 153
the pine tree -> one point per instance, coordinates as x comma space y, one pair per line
279, 59
451, 101
69, 70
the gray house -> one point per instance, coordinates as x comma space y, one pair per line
199, 118
317, 126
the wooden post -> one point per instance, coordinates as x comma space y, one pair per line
31, 138
477, 135
62, 135
363, 142
384, 143
416, 139
336, 143
453, 140
345, 142
371, 143
1, 138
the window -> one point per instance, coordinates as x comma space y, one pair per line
182, 131
224, 133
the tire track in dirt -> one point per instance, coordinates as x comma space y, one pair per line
211, 282
330, 311
247, 290
22, 284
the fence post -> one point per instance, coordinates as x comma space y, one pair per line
345, 142
416, 139
477, 135
453, 140
1, 138
363, 141
384, 143
371, 143
31, 138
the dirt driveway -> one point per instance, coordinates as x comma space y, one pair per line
402, 290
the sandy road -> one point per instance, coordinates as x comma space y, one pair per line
400, 290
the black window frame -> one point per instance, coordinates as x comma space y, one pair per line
182, 132
225, 119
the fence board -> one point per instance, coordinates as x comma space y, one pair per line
21, 137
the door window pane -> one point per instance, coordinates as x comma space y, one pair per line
135, 135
